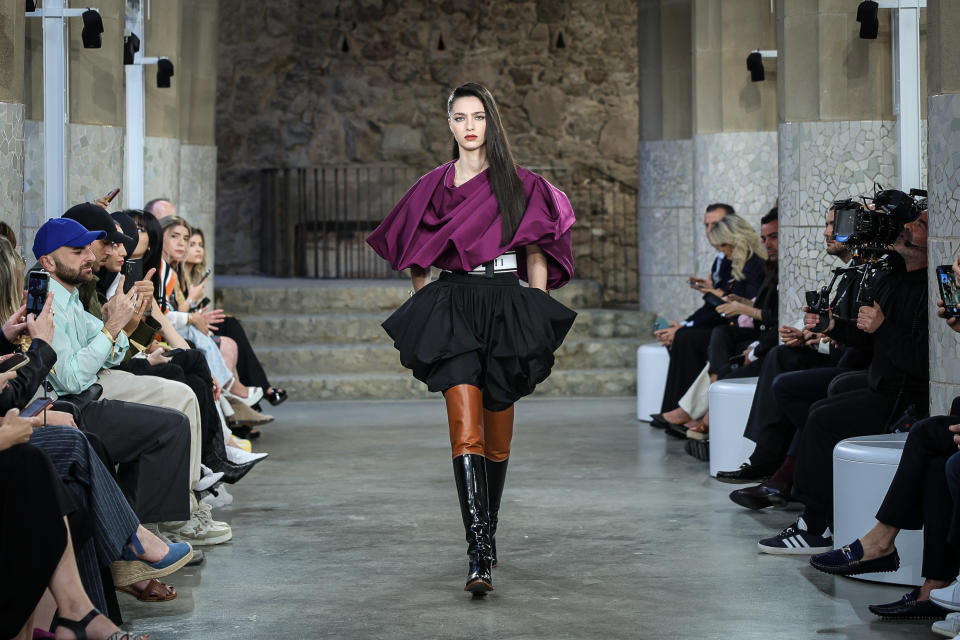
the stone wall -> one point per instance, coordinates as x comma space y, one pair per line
309, 83
11, 164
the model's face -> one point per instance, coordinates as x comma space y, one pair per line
711, 218
116, 256
71, 265
175, 243
770, 234
103, 251
195, 250
468, 122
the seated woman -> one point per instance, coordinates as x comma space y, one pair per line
239, 355
746, 256
40, 556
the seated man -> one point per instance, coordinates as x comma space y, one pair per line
895, 327
152, 445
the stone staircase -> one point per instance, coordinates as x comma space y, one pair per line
322, 339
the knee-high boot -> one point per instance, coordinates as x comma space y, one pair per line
469, 471
498, 433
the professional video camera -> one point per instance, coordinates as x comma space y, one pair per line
869, 232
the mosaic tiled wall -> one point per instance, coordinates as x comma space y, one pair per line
94, 167
943, 114
666, 228
197, 201
820, 162
11, 163
161, 168
739, 169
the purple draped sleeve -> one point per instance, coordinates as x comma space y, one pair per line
435, 224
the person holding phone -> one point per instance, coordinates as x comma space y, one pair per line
475, 334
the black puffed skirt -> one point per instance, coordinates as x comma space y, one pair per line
492, 333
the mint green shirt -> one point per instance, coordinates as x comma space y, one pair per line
82, 347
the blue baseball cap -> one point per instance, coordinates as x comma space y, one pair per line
62, 232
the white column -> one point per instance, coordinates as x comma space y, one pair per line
55, 109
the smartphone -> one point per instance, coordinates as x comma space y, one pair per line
713, 299
203, 303
14, 362
110, 196
171, 352
949, 291
36, 407
38, 283
660, 324
133, 271
204, 276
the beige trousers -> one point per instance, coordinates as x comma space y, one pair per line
696, 401
158, 392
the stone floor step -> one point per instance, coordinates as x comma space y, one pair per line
589, 353
383, 386
249, 295
354, 327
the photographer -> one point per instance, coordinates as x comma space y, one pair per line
895, 327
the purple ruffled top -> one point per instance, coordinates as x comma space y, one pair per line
458, 228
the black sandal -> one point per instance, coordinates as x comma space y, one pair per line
79, 627
275, 397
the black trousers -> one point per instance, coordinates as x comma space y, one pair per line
688, 354
152, 447
767, 424
919, 498
725, 342
857, 412
249, 369
33, 535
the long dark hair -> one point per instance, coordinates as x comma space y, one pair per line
151, 259
504, 181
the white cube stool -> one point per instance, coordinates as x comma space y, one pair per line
862, 471
653, 361
730, 402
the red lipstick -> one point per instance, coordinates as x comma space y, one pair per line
470, 137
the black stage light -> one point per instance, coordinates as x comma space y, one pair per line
131, 45
755, 66
31, 6
92, 28
164, 72
867, 17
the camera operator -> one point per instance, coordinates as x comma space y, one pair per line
895, 327
798, 372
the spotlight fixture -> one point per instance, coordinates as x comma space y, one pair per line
131, 45
164, 72
867, 17
755, 66
31, 6
92, 28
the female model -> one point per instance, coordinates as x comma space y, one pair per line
475, 334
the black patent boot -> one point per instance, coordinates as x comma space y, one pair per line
469, 472
496, 475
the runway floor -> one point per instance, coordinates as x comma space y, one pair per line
351, 529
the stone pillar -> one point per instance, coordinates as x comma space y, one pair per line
196, 76
12, 52
837, 132
734, 119
95, 134
665, 220
943, 131
161, 153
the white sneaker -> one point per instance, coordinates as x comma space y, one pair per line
947, 597
208, 478
239, 456
221, 499
949, 627
201, 529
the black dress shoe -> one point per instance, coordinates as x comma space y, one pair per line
761, 496
746, 473
848, 561
275, 397
909, 608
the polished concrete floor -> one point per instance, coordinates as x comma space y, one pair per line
351, 529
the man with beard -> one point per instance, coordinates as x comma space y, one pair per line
895, 327
151, 444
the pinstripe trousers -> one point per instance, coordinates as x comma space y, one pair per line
112, 520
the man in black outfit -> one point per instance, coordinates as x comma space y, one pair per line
895, 327
812, 364
688, 340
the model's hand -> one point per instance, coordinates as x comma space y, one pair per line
791, 336
665, 336
15, 430
810, 320
955, 428
16, 323
6, 376
42, 327
734, 309
953, 323
60, 418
